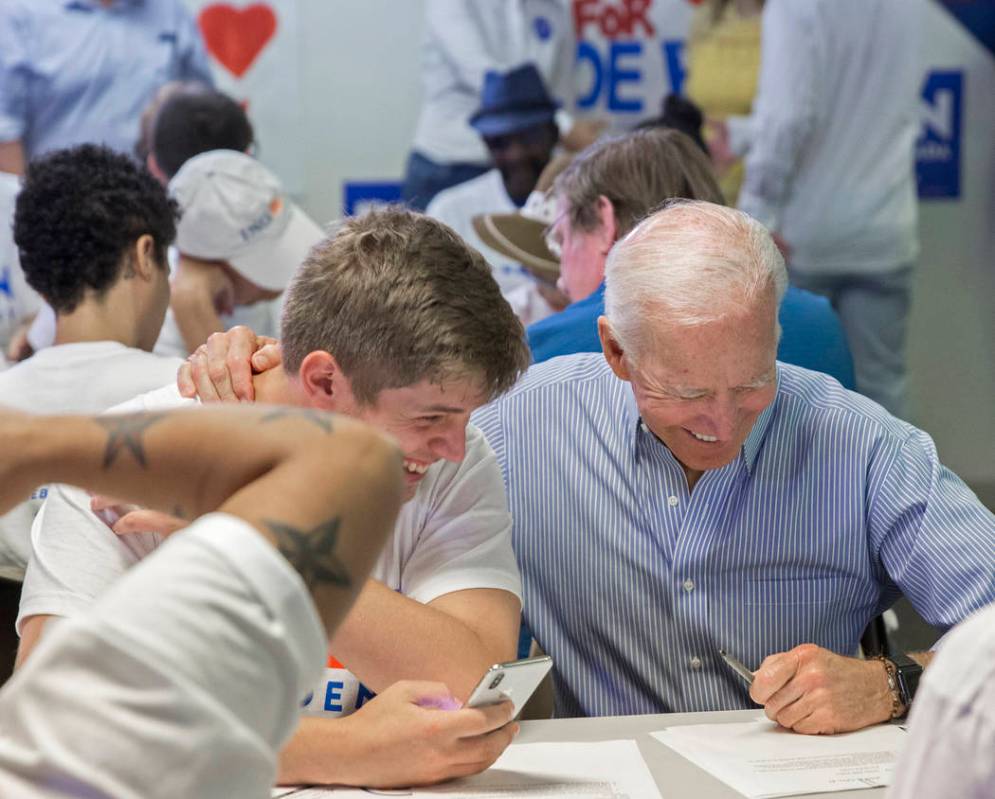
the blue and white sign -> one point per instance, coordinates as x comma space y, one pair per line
938, 149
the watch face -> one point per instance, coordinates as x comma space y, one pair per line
908, 673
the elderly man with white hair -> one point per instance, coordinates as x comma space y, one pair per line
687, 493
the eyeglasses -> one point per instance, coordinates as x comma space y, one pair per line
549, 236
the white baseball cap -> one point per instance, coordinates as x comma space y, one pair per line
235, 210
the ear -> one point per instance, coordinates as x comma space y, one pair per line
607, 230
157, 172
324, 384
146, 263
612, 349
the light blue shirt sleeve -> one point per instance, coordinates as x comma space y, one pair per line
932, 535
14, 35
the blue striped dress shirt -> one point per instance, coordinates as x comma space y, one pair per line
632, 583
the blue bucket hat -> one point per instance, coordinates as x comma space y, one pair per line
513, 101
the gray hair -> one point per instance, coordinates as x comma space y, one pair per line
689, 263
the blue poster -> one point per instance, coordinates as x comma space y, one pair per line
938, 149
359, 195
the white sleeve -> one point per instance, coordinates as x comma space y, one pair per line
786, 108
75, 556
457, 29
185, 679
465, 540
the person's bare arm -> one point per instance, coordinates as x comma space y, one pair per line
200, 291
12, 157
260, 464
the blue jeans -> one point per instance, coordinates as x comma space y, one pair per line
424, 178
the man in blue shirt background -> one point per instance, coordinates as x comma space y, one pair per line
81, 71
601, 196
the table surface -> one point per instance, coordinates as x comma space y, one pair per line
676, 777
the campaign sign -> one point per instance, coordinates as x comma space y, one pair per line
939, 145
630, 55
359, 196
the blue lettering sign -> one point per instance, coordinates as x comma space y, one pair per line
617, 76
673, 57
333, 693
359, 195
5, 282
939, 144
587, 52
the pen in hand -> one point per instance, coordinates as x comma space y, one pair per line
737, 667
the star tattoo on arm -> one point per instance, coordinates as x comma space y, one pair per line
312, 552
322, 420
125, 433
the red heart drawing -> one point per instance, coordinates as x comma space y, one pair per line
236, 36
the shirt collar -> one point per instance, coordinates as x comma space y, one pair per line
632, 421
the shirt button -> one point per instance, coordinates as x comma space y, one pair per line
695, 663
672, 501
643, 427
689, 585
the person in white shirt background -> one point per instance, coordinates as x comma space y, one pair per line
239, 240
444, 602
830, 166
123, 700
464, 41
515, 120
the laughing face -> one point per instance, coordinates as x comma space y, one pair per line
427, 420
700, 388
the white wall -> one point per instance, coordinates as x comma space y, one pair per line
952, 328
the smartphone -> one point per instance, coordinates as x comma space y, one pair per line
515, 681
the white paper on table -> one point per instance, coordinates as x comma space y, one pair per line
602, 770
761, 759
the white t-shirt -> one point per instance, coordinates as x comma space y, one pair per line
831, 161
454, 535
17, 299
134, 698
88, 377
465, 39
486, 194
951, 748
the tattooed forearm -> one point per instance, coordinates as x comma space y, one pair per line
312, 552
126, 432
322, 420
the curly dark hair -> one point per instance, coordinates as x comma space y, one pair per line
77, 214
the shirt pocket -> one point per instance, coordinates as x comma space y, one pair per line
819, 590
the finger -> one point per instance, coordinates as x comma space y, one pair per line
185, 382
99, 502
205, 390
477, 754
476, 721
217, 366
268, 357
773, 675
789, 694
792, 714
148, 521
242, 343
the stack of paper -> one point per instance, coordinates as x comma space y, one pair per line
604, 770
760, 759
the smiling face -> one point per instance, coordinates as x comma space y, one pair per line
700, 388
427, 420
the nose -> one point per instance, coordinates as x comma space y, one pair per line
722, 413
450, 443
